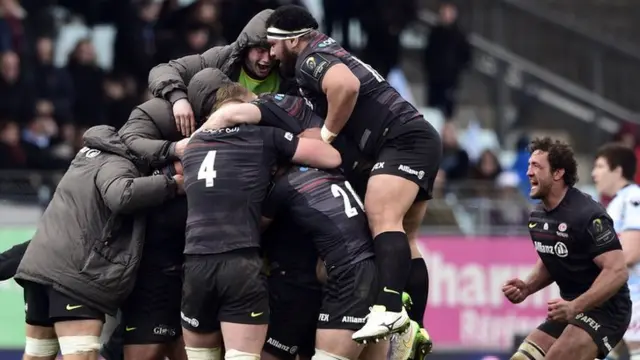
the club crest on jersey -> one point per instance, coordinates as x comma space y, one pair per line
562, 227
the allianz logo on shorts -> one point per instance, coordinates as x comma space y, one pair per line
559, 249
588, 320
353, 320
164, 330
277, 344
408, 170
193, 322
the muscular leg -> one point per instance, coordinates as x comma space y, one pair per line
574, 343
41, 343
202, 346
535, 346
387, 201
242, 341
336, 343
79, 339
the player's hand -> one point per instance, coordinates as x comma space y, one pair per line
178, 166
515, 290
185, 121
179, 179
311, 133
180, 146
560, 310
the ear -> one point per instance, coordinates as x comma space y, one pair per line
295, 42
558, 174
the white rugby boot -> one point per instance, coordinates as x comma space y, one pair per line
380, 324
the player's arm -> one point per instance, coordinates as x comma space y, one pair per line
272, 203
311, 152
339, 84
607, 254
538, 279
630, 240
10, 259
124, 191
630, 231
233, 114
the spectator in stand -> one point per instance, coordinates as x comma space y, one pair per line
484, 173
447, 55
52, 83
338, 12
455, 160
37, 138
87, 78
510, 210
12, 155
197, 39
135, 43
120, 98
15, 90
12, 15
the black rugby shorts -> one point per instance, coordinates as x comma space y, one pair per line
294, 315
413, 151
349, 292
151, 314
606, 325
45, 306
228, 287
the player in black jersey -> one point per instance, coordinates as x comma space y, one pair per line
227, 172
325, 206
579, 251
406, 150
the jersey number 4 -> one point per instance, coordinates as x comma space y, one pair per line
349, 210
207, 170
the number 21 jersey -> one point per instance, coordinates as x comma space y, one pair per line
226, 176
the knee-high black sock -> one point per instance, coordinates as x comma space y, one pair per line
418, 289
393, 260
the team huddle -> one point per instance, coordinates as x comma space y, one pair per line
266, 205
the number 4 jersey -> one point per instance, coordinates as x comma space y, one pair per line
324, 205
226, 177
379, 106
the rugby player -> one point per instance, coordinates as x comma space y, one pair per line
231, 168
579, 251
407, 151
325, 206
246, 61
613, 173
82, 261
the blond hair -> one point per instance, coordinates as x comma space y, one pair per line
232, 92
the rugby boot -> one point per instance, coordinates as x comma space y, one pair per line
403, 344
422, 345
381, 324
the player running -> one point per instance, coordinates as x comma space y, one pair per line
406, 150
613, 173
227, 172
579, 251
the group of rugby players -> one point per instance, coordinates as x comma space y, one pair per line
277, 175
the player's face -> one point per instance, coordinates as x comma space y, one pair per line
259, 61
604, 177
539, 174
283, 51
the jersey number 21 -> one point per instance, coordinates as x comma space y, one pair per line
349, 210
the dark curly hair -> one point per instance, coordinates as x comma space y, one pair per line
560, 156
291, 18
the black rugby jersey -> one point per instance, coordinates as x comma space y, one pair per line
324, 205
569, 237
226, 176
379, 105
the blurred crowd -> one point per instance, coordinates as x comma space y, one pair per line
44, 109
